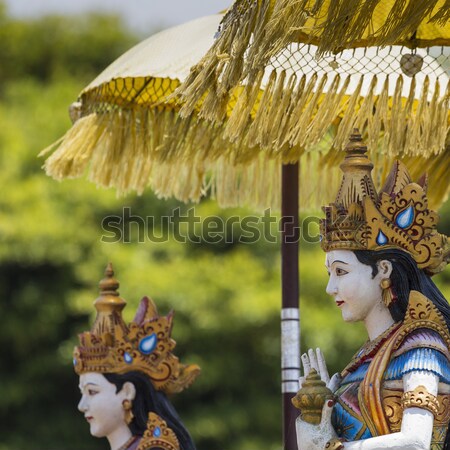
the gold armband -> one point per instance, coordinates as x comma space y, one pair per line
334, 444
421, 398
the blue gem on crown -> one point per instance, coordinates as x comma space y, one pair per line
381, 238
127, 358
405, 218
148, 344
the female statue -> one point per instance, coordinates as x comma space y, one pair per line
381, 250
125, 373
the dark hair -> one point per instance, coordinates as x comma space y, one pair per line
406, 277
148, 399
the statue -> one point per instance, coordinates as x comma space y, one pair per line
381, 251
125, 373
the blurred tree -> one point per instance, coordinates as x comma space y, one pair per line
51, 258
225, 291
53, 45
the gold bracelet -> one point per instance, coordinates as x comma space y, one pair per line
421, 398
334, 444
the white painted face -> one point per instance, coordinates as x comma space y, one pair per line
102, 405
355, 291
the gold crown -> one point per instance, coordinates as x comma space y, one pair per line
158, 435
396, 217
144, 345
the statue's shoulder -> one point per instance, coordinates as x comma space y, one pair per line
423, 326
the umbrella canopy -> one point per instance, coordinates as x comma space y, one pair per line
385, 48
128, 132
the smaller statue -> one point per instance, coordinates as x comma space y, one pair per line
381, 250
125, 373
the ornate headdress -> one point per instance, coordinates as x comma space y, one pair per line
396, 217
144, 345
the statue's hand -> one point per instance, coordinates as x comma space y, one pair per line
315, 437
316, 360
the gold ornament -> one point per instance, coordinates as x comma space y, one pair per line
393, 408
395, 218
387, 292
421, 398
422, 313
411, 64
311, 398
127, 407
158, 435
144, 345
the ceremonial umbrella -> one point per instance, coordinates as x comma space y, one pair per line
129, 132
380, 44
394, 37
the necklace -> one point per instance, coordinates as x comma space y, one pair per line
128, 443
368, 350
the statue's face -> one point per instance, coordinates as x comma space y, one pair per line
101, 405
351, 284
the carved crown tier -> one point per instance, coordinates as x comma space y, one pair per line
396, 217
144, 345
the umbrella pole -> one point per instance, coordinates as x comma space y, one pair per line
290, 317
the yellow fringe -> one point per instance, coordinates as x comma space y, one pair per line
254, 31
241, 113
307, 114
364, 115
442, 16
381, 110
298, 102
396, 120
289, 114
235, 35
305, 103
270, 39
261, 116
412, 145
281, 113
130, 149
328, 109
404, 20
230, 76
274, 105
75, 151
347, 123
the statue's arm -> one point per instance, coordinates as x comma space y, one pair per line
417, 423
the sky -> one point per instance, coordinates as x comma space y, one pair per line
140, 15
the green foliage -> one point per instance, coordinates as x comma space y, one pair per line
46, 48
51, 259
226, 294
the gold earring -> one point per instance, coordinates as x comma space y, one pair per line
388, 293
129, 416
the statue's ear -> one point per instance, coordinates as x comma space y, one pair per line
128, 390
384, 268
